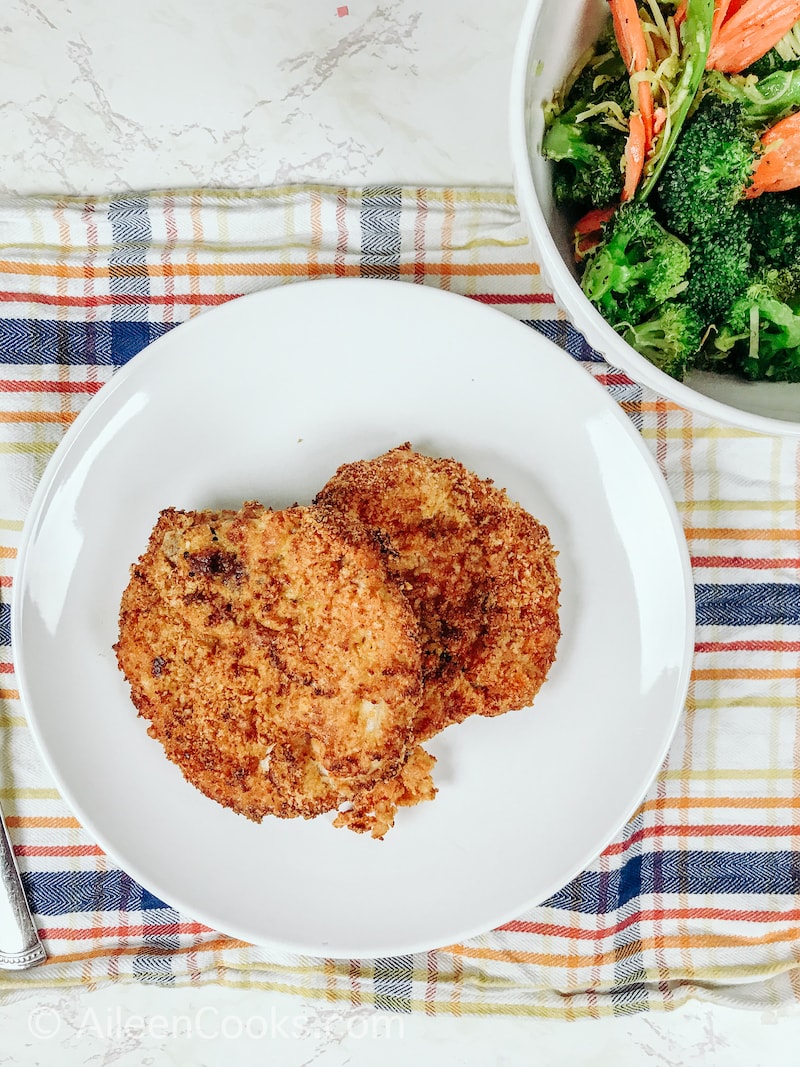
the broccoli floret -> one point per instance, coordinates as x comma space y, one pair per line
784, 56
695, 42
760, 338
669, 338
604, 77
637, 267
710, 167
771, 62
720, 265
775, 226
763, 100
585, 173
585, 138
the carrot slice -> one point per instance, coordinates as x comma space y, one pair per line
720, 13
629, 34
749, 34
646, 110
593, 220
633, 49
634, 154
733, 7
779, 167
680, 13
588, 230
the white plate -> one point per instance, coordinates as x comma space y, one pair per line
262, 399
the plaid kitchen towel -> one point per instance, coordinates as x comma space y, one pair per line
699, 895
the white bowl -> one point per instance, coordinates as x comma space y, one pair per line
552, 36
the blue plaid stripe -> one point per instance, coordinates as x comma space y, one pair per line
394, 983
756, 604
381, 212
35, 342
132, 234
602, 892
61, 892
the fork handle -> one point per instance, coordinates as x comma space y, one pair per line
20, 946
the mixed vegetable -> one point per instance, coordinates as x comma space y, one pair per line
676, 150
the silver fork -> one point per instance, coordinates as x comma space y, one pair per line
20, 946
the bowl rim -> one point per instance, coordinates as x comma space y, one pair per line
599, 334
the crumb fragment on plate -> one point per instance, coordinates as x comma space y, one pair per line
373, 810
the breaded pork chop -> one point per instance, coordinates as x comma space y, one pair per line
276, 659
479, 571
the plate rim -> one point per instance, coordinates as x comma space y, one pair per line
37, 511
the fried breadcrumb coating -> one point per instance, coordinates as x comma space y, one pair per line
291, 662
277, 661
478, 570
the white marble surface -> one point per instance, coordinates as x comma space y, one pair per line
98, 96
211, 1027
